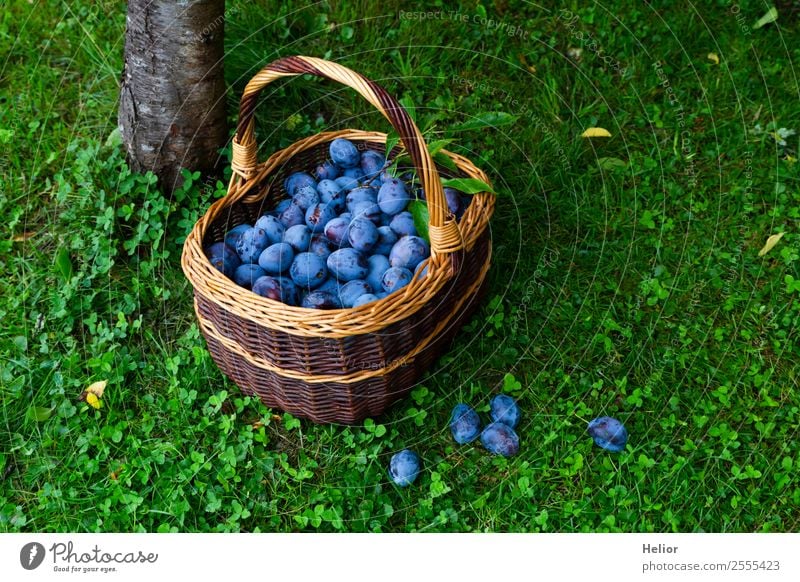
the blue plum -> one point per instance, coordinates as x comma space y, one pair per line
233, 235
320, 300
327, 170
292, 216
330, 285
378, 265
224, 258
500, 439
403, 224
352, 290
318, 215
404, 467
356, 173
608, 433
344, 153
296, 180
336, 231
245, 275
299, 236
465, 424
251, 244
273, 227
453, 199
504, 409
276, 258
328, 189
308, 271
372, 163
347, 264
408, 252
362, 234
392, 197
361, 194
306, 196
395, 278
368, 210
346, 183
321, 246
282, 205
276, 288
364, 299
386, 240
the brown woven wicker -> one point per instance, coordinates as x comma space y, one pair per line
339, 365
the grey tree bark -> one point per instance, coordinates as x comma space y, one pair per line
172, 101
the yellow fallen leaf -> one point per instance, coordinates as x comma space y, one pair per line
771, 242
714, 58
596, 132
97, 388
93, 401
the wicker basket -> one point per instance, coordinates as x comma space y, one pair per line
339, 365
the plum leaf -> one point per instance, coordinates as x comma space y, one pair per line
419, 211
467, 185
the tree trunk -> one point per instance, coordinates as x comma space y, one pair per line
172, 102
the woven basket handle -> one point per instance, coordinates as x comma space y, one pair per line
443, 229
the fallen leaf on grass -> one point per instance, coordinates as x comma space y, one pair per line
771, 242
596, 132
714, 58
770, 16
93, 394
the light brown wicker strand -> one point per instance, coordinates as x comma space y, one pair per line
335, 323
353, 377
378, 98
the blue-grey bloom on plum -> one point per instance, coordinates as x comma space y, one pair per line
608, 433
404, 467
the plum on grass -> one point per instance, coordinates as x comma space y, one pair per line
344, 153
465, 424
404, 467
395, 278
504, 409
224, 258
362, 234
408, 252
347, 264
500, 439
245, 275
608, 433
308, 270
276, 258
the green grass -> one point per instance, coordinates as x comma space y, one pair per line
626, 280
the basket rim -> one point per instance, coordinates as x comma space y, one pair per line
217, 288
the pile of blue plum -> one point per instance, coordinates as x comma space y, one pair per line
341, 238
498, 437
